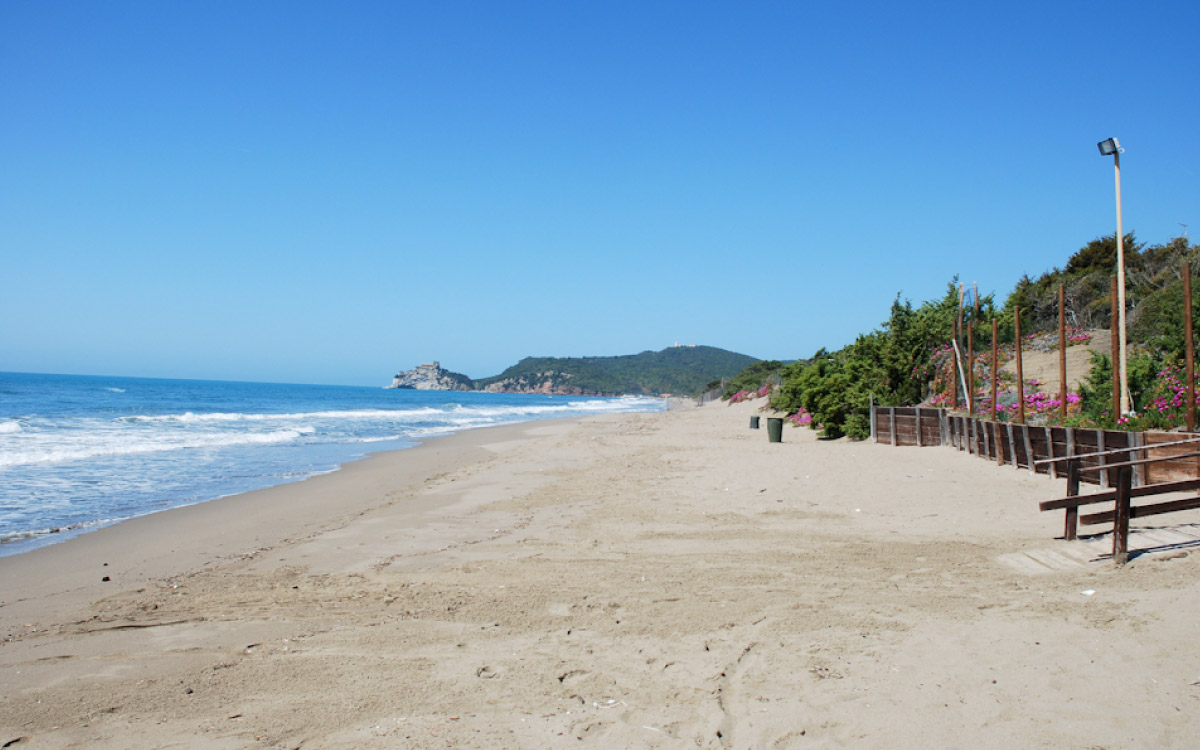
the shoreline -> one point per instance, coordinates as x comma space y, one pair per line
219, 529
657, 580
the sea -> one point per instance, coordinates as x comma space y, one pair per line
81, 452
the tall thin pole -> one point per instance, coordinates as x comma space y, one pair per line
1062, 349
1187, 343
1121, 289
958, 334
971, 368
1116, 353
995, 356
953, 370
1020, 369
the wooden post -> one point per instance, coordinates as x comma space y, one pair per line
1028, 448
1050, 451
1062, 350
998, 438
995, 356
892, 423
987, 443
918, 410
1116, 353
1187, 345
874, 436
1020, 374
1100, 460
1121, 525
1012, 445
971, 368
1071, 530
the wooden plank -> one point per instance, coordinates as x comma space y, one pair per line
1012, 445
892, 423
1147, 490
1146, 446
1028, 448
919, 427
875, 436
1141, 511
1100, 458
1053, 471
987, 444
1141, 462
1141, 475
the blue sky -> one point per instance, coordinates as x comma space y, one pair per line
330, 192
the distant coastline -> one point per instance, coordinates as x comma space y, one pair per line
677, 370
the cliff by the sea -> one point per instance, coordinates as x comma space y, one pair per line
431, 377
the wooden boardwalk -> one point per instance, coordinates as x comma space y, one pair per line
1097, 548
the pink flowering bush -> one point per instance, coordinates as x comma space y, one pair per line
800, 418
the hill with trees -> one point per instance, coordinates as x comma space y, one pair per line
677, 370
909, 359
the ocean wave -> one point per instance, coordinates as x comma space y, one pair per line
119, 445
216, 417
20, 536
10, 426
417, 414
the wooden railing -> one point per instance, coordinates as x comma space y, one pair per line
1123, 493
1170, 461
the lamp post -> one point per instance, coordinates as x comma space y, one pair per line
1113, 147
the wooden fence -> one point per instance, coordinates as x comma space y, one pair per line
1023, 446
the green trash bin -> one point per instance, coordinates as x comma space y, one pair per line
754, 423
775, 429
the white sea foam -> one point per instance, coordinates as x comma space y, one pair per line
215, 417
9, 426
629, 403
20, 536
97, 444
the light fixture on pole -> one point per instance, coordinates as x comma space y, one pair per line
1112, 147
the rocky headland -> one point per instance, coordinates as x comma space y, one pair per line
431, 377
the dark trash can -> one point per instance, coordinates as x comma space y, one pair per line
775, 429
754, 423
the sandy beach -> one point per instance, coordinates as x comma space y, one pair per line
660, 580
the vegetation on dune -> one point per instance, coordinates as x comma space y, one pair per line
909, 359
753, 378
